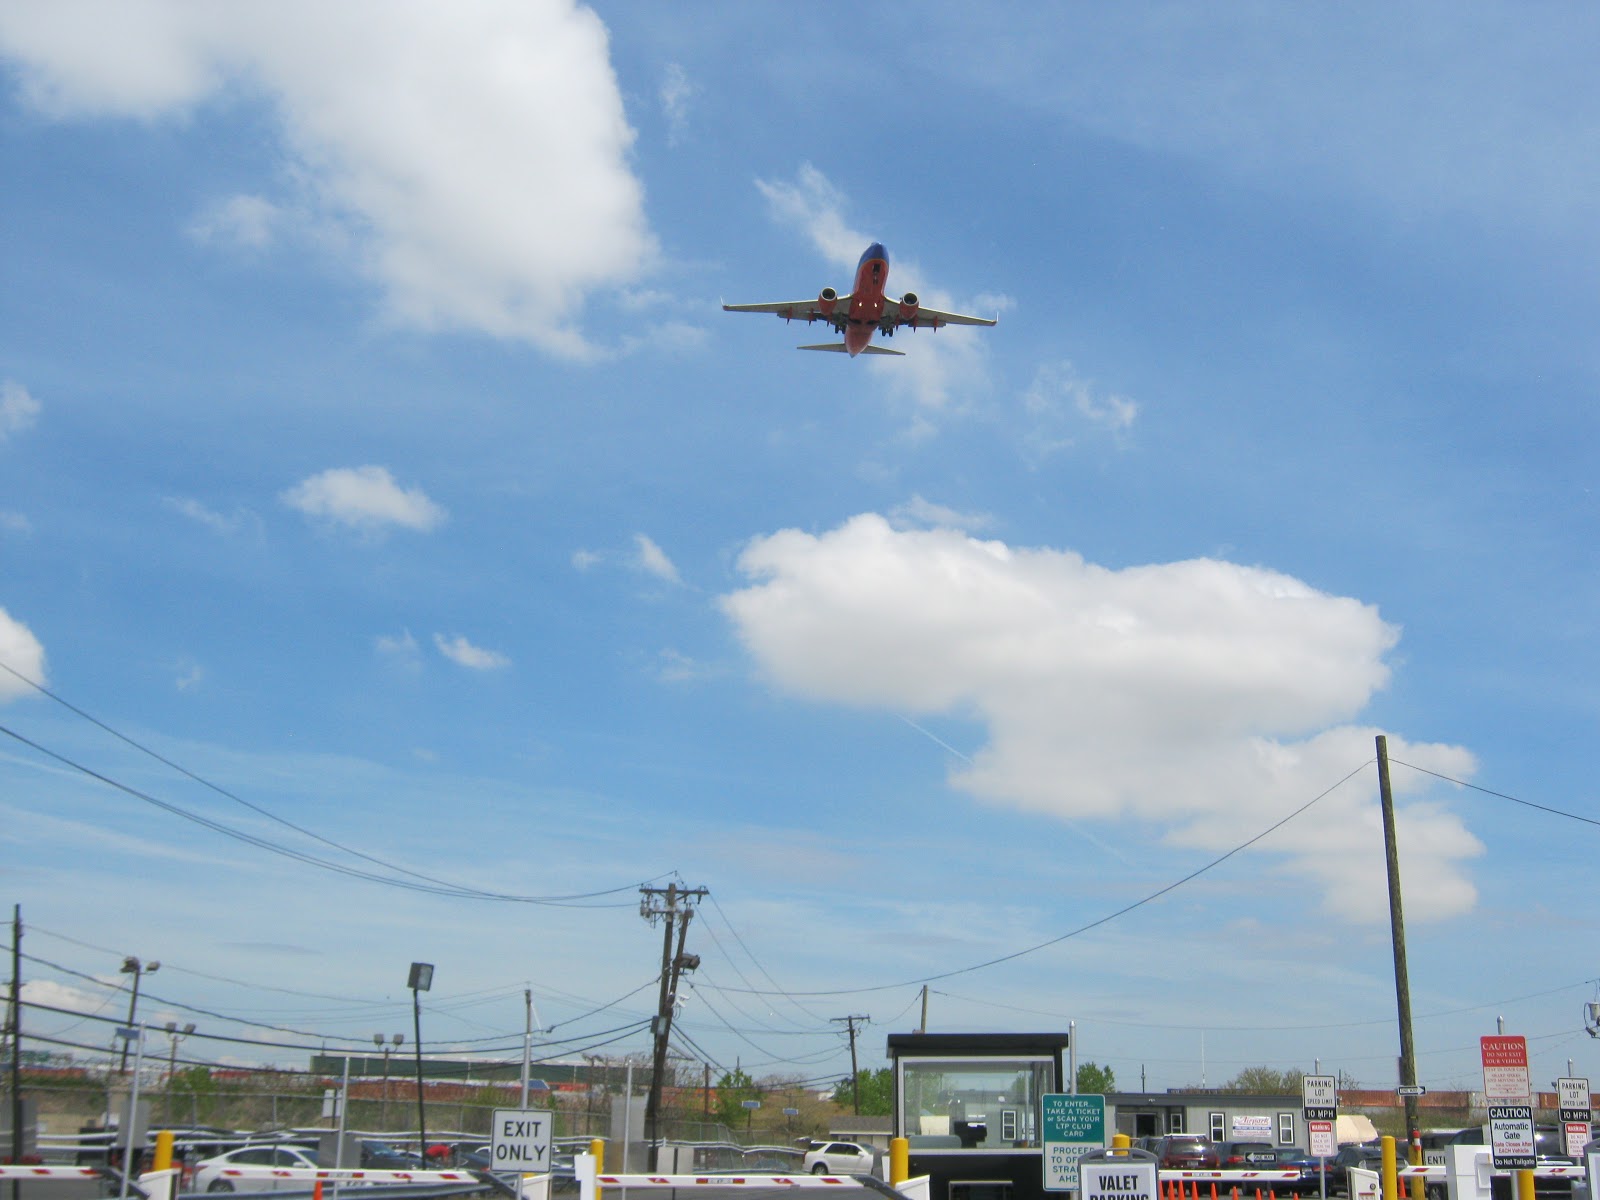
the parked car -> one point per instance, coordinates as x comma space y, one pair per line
1293, 1158
210, 1174
380, 1156
1364, 1155
471, 1156
1245, 1156
839, 1158
1185, 1152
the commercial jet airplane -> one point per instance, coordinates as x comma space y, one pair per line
864, 311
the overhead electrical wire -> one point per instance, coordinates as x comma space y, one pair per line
1082, 929
1555, 812
432, 887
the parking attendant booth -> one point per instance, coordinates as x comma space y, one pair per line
968, 1105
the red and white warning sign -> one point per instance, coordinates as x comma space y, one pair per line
1505, 1068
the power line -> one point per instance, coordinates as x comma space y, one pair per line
1556, 812
431, 886
1082, 929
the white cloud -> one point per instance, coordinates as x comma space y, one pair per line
190, 675
939, 364
18, 410
582, 560
653, 560
1208, 698
364, 498
676, 91
1060, 401
201, 514
917, 513
401, 647
474, 156
463, 653
20, 651
248, 222
15, 522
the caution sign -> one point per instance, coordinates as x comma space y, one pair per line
1511, 1137
1118, 1180
520, 1140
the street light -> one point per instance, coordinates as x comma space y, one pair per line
174, 1036
420, 980
132, 966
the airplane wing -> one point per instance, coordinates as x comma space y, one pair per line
841, 348
793, 310
927, 318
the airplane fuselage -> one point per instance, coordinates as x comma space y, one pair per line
866, 299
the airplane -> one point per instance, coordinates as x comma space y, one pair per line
864, 311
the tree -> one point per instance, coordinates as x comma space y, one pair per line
877, 1092
1095, 1080
1265, 1081
733, 1089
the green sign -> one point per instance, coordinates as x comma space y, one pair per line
1073, 1126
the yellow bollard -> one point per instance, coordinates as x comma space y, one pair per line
899, 1161
1391, 1181
1525, 1185
597, 1147
1120, 1141
163, 1157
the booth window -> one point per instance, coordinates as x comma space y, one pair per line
973, 1104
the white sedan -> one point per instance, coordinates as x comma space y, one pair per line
211, 1174
839, 1158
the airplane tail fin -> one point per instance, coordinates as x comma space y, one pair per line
839, 348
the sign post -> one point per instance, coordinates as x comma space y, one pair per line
1509, 1095
1573, 1098
1073, 1126
1319, 1094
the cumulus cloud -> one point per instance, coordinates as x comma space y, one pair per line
463, 653
20, 651
1204, 697
653, 560
363, 498
939, 365
18, 410
425, 137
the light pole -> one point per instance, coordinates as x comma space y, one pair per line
174, 1036
379, 1040
420, 980
132, 966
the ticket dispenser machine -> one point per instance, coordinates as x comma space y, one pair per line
968, 1105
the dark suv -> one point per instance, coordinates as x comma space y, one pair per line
1185, 1152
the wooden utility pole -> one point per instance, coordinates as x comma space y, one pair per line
674, 906
855, 1074
1402, 980
16, 1042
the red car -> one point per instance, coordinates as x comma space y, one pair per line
1186, 1152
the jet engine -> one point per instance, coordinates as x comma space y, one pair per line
908, 309
826, 299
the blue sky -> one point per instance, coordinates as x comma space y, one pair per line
373, 447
